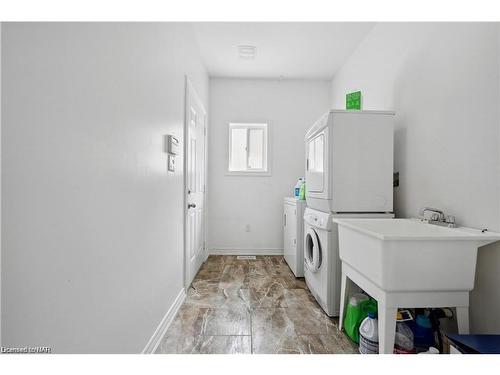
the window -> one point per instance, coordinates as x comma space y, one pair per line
248, 148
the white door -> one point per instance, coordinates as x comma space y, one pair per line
315, 166
195, 135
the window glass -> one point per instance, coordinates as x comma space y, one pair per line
248, 147
256, 149
238, 149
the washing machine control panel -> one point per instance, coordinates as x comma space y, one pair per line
317, 219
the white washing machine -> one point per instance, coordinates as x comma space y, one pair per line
321, 256
321, 260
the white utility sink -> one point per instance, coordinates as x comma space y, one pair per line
408, 254
410, 263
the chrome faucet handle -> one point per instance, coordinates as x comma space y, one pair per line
439, 213
450, 219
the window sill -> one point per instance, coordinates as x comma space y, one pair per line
248, 174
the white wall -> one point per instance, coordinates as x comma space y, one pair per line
289, 107
92, 222
0, 184
443, 82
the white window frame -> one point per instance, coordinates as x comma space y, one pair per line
267, 151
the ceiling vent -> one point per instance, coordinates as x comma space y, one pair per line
246, 52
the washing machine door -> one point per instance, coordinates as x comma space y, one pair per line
312, 250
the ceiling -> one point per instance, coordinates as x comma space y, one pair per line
283, 50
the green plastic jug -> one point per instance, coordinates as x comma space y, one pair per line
302, 191
357, 310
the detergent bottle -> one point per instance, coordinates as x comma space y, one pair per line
302, 191
296, 193
423, 333
368, 334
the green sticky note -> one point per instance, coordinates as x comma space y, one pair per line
353, 100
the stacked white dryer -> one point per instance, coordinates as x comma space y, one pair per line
349, 173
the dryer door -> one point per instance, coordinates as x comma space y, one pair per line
315, 166
312, 250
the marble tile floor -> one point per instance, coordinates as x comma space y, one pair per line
252, 306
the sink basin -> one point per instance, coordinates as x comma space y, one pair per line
411, 255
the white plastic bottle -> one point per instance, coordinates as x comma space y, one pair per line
296, 193
368, 335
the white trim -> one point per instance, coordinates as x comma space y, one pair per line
248, 173
191, 92
245, 251
160, 331
184, 181
0, 187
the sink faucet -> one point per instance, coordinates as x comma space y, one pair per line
438, 217
440, 213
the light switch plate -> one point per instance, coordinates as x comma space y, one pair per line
171, 163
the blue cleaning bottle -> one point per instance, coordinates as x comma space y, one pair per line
297, 188
423, 333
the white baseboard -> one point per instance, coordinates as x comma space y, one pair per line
245, 251
155, 340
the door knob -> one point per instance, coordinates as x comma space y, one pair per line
191, 205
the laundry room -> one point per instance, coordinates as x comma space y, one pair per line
281, 187
298, 165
